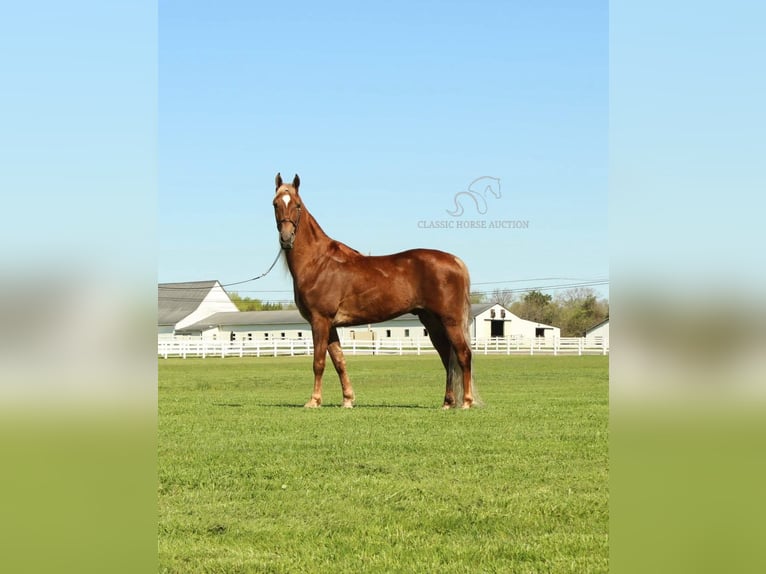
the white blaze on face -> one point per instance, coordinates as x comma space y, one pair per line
286, 199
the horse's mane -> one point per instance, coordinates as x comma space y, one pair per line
341, 252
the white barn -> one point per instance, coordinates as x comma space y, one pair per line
271, 325
599, 332
489, 320
251, 326
494, 320
182, 304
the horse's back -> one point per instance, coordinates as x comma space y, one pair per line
429, 258
440, 280
439, 263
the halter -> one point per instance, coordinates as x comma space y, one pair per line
287, 220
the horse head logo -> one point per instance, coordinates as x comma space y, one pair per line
478, 192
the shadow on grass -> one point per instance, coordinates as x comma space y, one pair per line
333, 406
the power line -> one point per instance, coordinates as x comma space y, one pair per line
279, 253
487, 293
537, 279
550, 287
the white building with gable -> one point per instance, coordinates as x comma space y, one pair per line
599, 332
182, 304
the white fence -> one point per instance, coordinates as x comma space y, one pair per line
295, 347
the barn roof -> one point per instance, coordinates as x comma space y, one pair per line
283, 317
479, 308
597, 325
178, 300
236, 318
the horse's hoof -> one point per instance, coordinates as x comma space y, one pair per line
312, 404
348, 405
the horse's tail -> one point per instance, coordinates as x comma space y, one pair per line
456, 373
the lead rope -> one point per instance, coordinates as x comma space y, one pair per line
279, 252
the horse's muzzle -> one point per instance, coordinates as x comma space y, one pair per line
286, 240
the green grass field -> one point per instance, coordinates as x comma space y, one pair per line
250, 481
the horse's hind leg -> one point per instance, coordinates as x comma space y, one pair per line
339, 361
442, 345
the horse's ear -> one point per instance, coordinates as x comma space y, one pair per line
296, 182
278, 180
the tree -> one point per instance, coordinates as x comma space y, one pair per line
580, 310
248, 304
536, 306
503, 296
477, 297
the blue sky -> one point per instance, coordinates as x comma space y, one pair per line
386, 111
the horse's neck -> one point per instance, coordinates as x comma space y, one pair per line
314, 236
311, 245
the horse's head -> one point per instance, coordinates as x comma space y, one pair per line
287, 210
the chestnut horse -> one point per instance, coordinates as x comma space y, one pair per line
336, 286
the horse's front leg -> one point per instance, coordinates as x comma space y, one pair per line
320, 331
339, 361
